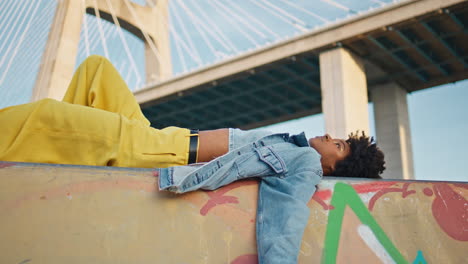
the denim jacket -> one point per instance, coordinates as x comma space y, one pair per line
289, 171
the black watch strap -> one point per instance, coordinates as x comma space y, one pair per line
193, 146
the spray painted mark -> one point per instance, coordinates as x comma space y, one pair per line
246, 259
404, 193
80, 188
371, 241
461, 185
344, 195
450, 210
217, 197
322, 203
372, 186
367, 187
325, 194
419, 258
6, 164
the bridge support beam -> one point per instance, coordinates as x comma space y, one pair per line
344, 93
158, 66
393, 130
58, 60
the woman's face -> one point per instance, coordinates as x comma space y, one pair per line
332, 150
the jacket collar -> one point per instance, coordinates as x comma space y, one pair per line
299, 139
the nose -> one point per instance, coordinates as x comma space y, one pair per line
328, 137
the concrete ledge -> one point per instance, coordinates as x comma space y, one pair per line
79, 214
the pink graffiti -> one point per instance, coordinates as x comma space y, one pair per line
450, 210
324, 205
321, 195
6, 164
246, 259
404, 193
428, 191
217, 197
156, 173
461, 185
372, 186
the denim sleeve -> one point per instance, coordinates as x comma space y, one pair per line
239, 138
183, 179
245, 162
282, 215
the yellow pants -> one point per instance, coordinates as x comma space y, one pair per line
98, 123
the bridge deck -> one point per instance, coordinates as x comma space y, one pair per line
417, 44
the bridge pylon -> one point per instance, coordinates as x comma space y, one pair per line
149, 23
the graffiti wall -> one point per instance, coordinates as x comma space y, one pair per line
74, 214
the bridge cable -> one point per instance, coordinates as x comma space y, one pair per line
17, 18
242, 20
148, 39
207, 29
306, 11
287, 14
379, 2
28, 57
31, 46
281, 13
254, 19
6, 9
272, 12
234, 24
91, 35
338, 5
124, 41
189, 39
202, 33
101, 32
182, 42
18, 45
180, 53
85, 27
227, 44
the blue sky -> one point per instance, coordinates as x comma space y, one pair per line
438, 116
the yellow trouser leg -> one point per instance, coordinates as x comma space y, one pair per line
96, 83
114, 132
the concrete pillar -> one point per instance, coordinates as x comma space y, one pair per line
393, 130
58, 60
344, 93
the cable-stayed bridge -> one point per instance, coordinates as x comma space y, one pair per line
201, 33
413, 44
209, 64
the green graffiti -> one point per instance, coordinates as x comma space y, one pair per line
343, 195
420, 258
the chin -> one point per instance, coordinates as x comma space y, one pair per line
313, 141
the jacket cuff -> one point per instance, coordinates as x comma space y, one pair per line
165, 178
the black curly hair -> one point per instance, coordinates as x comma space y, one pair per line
365, 161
